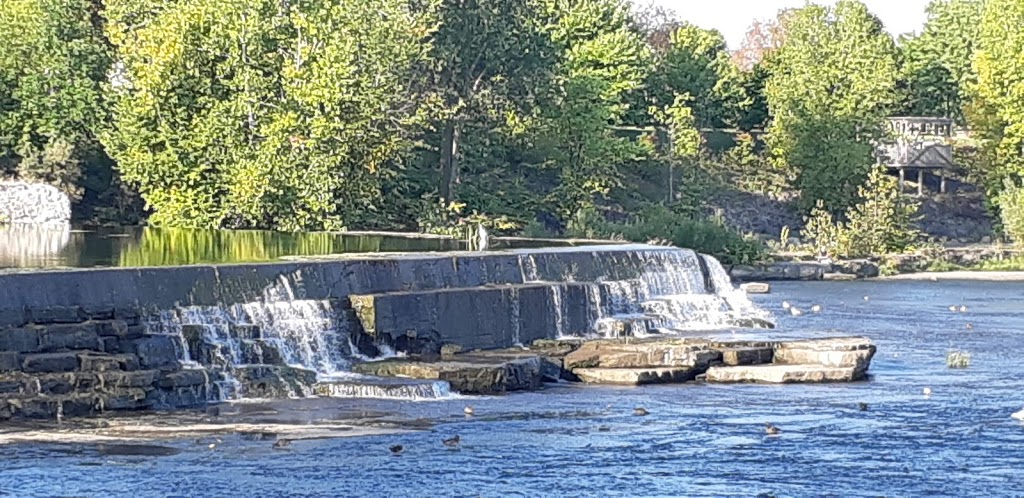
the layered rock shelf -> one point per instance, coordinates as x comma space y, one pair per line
638, 362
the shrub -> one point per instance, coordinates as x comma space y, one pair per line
958, 359
882, 221
1011, 212
704, 236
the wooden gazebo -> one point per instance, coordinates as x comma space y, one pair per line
918, 144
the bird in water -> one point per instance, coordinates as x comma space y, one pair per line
396, 449
963, 309
970, 326
771, 430
867, 298
816, 308
862, 406
795, 312
927, 391
282, 443
469, 411
1019, 415
641, 411
452, 442
952, 308
786, 305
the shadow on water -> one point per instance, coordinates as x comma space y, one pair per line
697, 440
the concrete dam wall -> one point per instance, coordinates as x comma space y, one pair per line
85, 341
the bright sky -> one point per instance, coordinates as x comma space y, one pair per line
733, 17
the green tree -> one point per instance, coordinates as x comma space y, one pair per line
603, 60
936, 65
696, 63
831, 83
486, 55
53, 62
997, 104
264, 113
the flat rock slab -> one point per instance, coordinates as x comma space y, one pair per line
756, 287
838, 277
674, 353
781, 374
383, 387
747, 355
635, 376
467, 375
845, 352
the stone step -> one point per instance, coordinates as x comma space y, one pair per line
780, 374
675, 353
383, 387
628, 326
636, 376
469, 374
853, 352
269, 381
747, 355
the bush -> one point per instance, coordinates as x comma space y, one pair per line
1011, 212
882, 222
958, 359
704, 236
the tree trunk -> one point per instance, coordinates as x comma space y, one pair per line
449, 161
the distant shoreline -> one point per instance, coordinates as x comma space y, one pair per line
988, 276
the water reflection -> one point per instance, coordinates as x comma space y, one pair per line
28, 246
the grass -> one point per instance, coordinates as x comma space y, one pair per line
958, 359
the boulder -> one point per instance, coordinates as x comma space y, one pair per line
636, 376
780, 374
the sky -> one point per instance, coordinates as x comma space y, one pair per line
733, 17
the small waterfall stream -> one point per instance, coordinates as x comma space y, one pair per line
283, 343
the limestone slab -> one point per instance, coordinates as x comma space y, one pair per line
747, 355
635, 376
50, 362
468, 375
780, 374
641, 354
756, 287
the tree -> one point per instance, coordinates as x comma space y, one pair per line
831, 84
997, 103
483, 51
603, 61
53, 62
696, 63
264, 113
936, 65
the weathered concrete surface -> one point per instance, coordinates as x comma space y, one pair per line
468, 375
780, 374
475, 318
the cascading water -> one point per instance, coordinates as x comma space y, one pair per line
249, 348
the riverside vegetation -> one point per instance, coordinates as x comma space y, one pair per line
544, 117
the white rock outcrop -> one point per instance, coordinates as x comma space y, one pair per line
33, 203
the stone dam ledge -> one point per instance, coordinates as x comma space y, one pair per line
639, 362
95, 341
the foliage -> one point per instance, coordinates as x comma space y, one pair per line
709, 237
832, 81
750, 170
53, 61
958, 359
695, 64
1011, 201
266, 114
882, 221
996, 111
936, 65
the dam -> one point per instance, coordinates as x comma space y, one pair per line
84, 341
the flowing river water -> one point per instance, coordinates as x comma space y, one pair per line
699, 440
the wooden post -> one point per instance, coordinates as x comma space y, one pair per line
903, 177
920, 182
942, 180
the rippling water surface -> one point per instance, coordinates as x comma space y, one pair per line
699, 440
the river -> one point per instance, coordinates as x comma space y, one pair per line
699, 440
